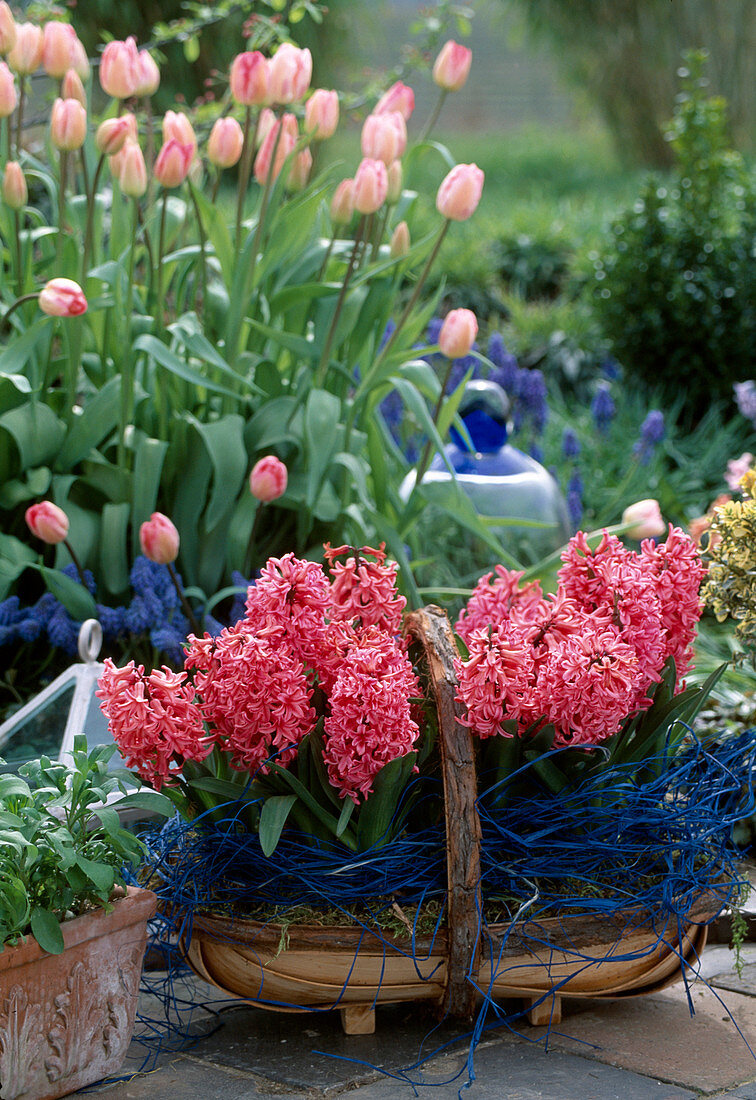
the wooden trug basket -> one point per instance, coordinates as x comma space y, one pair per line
312, 967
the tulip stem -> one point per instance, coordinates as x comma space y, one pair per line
249, 556
410, 304
61, 205
19, 257
434, 116
89, 230
161, 247
20, 114
326, 353
18, 302
326, 258
203, 261
424, 463
76, 561
193, 621
244, 170
127, 372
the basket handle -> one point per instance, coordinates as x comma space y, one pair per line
431, 629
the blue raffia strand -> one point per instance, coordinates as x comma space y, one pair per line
639, 848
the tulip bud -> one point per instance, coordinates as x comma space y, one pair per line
15, 192
26, 55
452, 66
79, 60
149, 74
224, 146
131, 169
342, 203
111, 134
72, 88
384, 137
459, 193
399, 97
394, 174
119, 69
400, 241
177, 126
249, 79
68, 125
646, 519
458, 333
265, 124
289, 71
283, 145
173, 163
62, 298
299, 173
370, 186
7, 29
321, 114
47, 522
159, 539
268, 479
58, 48
8, 97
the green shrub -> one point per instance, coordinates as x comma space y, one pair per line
676, 293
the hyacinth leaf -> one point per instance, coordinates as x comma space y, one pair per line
379, 812
273, 817
46, 930
318, 811
345, 816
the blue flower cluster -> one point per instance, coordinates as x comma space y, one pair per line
525, 388
652, 432
154, 612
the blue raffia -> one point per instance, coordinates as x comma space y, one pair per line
613, 846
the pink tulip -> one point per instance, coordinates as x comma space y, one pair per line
47, 522
284, 146
452, 66
321, 114
8, 97
299, 173
68, 125
15, 192
384, 137
173, 163
177, 126
62, 298
26, 55
7, 29
249, 79
459, 193
400, 241
58, 48
265, 124
290, 70
458, 333
159, 539
120, 72
646, 519
394, 173
399, 97
111, 134
72, 88
268, 479
224, 146
80, 61
370, 186
149, 74
342, 203
130, 169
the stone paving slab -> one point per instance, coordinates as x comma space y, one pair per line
657, 1035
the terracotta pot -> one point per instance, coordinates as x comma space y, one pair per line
302, 967
66, 1020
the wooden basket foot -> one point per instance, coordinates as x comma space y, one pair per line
358, 1020
547, 1011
